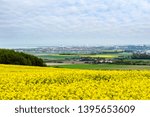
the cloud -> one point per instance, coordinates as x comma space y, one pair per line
74, 17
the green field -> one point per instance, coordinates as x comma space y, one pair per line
64, 57
57, 57
104, 66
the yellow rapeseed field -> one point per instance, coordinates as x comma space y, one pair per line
39, 83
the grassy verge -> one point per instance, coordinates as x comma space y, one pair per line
104, 66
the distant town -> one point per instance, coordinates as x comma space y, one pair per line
84, 49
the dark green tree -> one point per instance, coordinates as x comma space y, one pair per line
19, 58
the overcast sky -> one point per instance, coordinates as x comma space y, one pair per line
74, 22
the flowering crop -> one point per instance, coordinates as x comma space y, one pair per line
39, 83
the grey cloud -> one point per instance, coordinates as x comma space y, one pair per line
74, 17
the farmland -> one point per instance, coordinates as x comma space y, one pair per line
109, 75
77, 56
43, 83
103, 67
96, 61
57, 57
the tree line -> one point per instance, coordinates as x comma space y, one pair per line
140, 56
8, 56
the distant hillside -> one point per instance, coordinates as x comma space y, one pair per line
18, 58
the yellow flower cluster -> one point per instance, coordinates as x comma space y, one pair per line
39, 83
